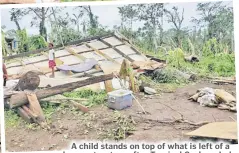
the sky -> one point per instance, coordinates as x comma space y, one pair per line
108, 16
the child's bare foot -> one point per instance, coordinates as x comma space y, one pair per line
52, 76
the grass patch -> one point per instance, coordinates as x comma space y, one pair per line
11, 119
123, 126
220, 64
94, 98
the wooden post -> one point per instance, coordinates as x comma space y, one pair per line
108, 86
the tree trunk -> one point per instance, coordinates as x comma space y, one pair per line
155, 38
21, 98
16, 22
42, 24
92, 20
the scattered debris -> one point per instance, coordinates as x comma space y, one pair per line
150, 91
215, 98
223, 80
191, 59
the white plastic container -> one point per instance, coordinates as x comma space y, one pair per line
120, 99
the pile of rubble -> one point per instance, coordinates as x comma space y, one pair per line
215, 98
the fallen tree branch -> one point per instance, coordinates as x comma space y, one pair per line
224, 81
64, 98
173, 121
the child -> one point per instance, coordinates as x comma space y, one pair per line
52, 63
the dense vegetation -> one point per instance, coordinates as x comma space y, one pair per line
211, 39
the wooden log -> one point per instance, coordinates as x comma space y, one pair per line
29, 112
108, 86
21, 98
24, 115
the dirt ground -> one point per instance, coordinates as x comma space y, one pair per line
69, 125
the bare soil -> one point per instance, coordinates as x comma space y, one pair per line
68, 125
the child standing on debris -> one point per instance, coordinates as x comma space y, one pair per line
52, 63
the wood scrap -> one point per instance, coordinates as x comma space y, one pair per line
224, 96
224, 82
35, 108
29, 112
70, 100
63, 98
127, 71
80, 107
21, 99
24, 115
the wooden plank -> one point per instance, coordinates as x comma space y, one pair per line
35, 107
21, 98
24, 115
108, 86
28, 111
57, 47
80, 107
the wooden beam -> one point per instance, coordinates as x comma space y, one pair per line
21, 98
57, 57
58, 46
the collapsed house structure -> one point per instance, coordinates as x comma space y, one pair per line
91, 62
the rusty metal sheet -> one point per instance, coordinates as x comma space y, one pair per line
113, 41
